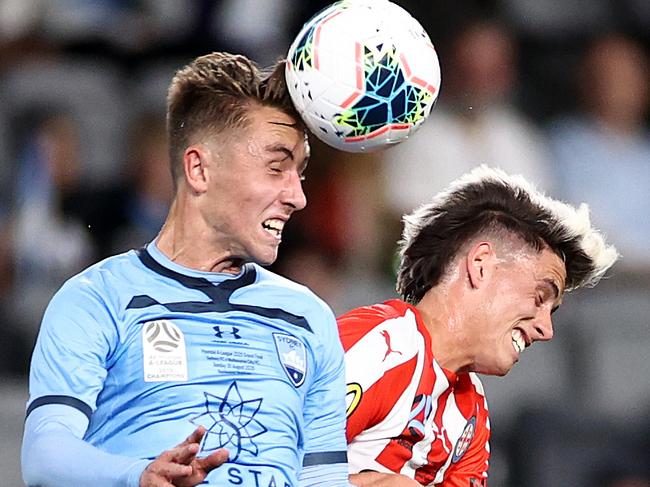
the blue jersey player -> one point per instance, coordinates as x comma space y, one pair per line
186, 362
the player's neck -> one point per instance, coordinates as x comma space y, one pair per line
186, 240
444, 321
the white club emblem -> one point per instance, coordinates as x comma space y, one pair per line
465, 439
293, 357
163, 352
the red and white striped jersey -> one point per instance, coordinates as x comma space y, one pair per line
406, 414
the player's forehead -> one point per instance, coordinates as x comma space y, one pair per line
264, 117
549, 271
272, 126
534, 267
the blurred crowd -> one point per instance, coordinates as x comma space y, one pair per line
556, 91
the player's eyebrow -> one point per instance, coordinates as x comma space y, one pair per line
553, 291
551, 288
280, 148
288, 153
554, 287
284, 124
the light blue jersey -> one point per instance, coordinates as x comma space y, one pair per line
148, 350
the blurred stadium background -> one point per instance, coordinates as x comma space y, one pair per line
558, 91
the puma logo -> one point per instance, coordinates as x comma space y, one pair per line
389, 350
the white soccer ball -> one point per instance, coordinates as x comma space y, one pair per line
363, 74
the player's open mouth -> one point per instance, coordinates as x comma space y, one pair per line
274, 226
518, 341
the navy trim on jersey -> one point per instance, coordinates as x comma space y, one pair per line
219, 294
324, 458
65, 400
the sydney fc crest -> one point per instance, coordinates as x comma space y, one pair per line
293, 357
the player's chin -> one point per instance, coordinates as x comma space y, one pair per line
266, 256
506, 367
498, 369
493, 371
501, 372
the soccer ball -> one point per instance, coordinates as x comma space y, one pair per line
363, 74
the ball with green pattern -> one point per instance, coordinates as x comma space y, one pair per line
363, 74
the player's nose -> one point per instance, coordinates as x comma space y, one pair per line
293, 194
543, 326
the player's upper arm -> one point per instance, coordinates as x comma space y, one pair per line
381, 360
73, 349
324, 443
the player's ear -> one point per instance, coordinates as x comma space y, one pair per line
480, 261
194, 167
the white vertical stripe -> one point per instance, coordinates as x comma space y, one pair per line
422, 448
455, 423
371, 349
405, 338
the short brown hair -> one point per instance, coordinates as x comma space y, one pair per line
489, 201
213, 93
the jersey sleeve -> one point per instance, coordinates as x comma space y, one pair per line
324, 410
73, 349
54, 455
380, 364
69, 365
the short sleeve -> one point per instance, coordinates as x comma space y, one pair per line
76, 338
381, 358
324, 411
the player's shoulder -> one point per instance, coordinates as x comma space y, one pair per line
270, 279
375, 314
93, 290
99, 278
289, 294
393, 316
100, 272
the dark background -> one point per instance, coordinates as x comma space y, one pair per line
83, 175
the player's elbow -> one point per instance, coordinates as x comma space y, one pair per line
45, 450
34, 460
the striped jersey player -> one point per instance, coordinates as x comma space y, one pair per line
482, 268
407, 414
